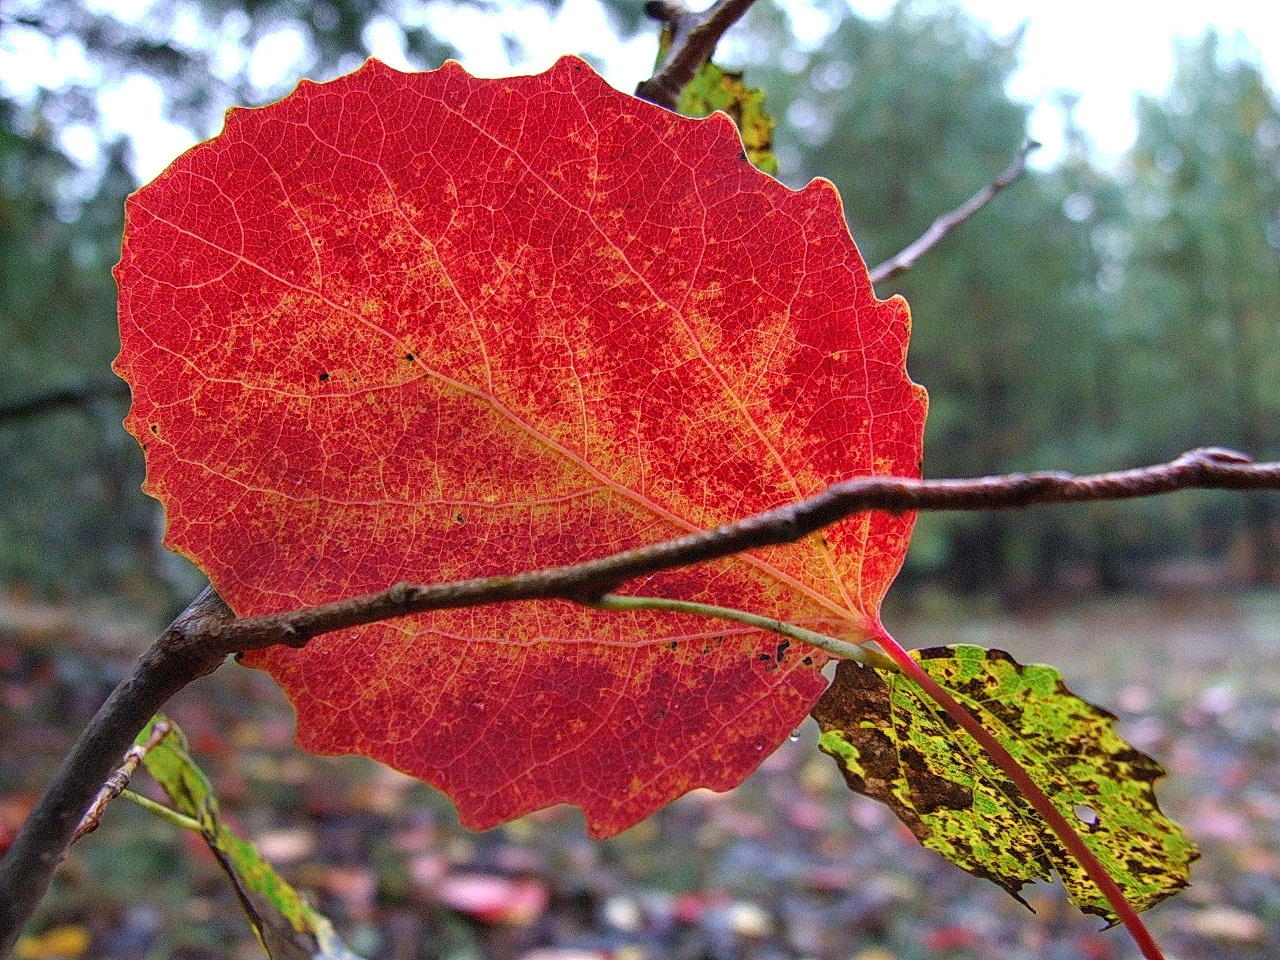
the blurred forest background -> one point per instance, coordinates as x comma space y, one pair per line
1096, 315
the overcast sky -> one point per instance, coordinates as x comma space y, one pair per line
1106, 50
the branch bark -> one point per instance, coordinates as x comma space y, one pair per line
1207, 468
200, 639
694, 39
943, 225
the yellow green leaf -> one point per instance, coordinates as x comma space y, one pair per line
714, 88
893, 743
286, 925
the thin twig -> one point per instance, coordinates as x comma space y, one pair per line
119, 780
694, 39
1207, 468
942, 226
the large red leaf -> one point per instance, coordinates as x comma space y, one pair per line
426, 327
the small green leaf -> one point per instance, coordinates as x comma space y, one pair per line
286, 925
714, 88
894, 744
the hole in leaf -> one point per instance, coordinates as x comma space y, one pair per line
1086, 814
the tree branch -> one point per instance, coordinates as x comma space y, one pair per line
180, 655
694, 39
1208, 468
942, 226
198, 641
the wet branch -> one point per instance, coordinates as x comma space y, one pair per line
941, 227
182, 654
80, 396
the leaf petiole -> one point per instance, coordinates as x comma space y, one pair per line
163, 812
840, 649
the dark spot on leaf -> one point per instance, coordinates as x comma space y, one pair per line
807, 661
930, 792
459, 518
673, 644
155, 428
782, 650
410, 357
764, 657
323, 377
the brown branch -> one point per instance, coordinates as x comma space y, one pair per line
118, 780
694, 39
198, 641
179, 656
1208, 468
942, 226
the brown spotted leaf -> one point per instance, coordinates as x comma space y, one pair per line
895, 745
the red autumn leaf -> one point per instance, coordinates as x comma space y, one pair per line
427, 327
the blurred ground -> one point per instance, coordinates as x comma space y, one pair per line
788, 866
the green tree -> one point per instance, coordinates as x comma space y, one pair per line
80, 517
909, 115
1203, 279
